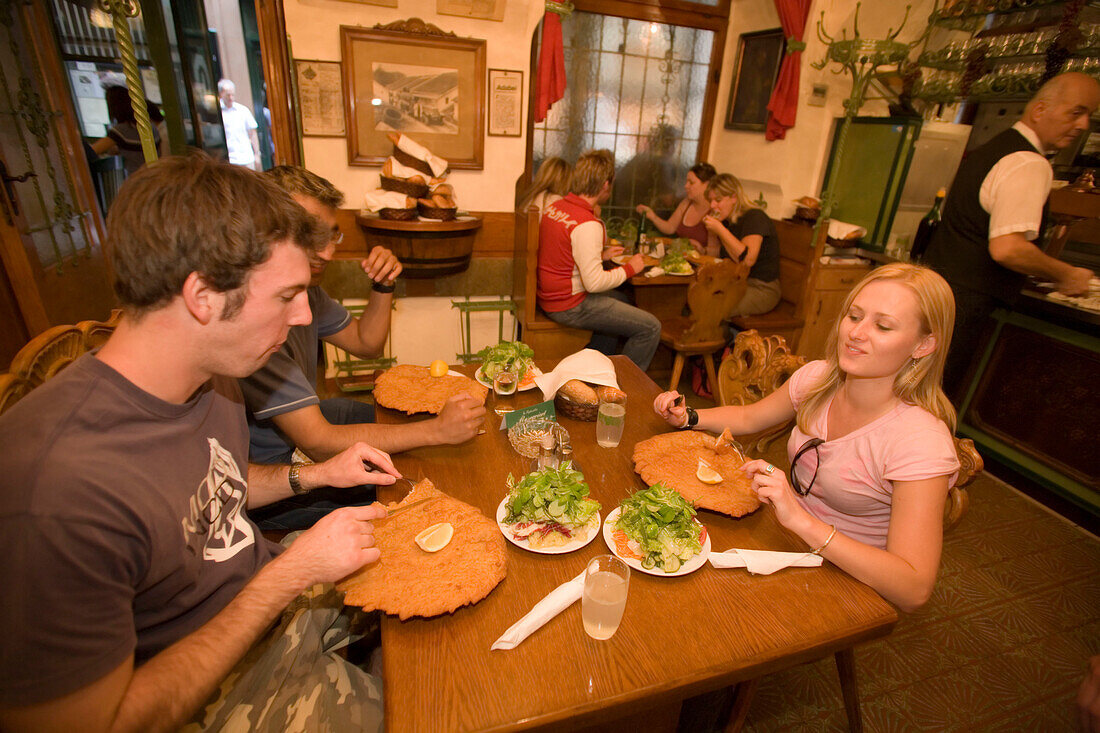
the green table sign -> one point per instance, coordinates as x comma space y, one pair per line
542, 409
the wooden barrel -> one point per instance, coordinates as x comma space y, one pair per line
425, 248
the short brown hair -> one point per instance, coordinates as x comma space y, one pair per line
296, 180
187, 214
591, 171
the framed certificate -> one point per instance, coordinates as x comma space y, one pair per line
505, 103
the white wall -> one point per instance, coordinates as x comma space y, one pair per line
314, 30
796, 164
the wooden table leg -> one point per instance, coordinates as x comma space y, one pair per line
677, 369
846, 669
743, 693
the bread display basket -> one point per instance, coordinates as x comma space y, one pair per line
405, 159
400, 185
398, 214
586, 412
435, 212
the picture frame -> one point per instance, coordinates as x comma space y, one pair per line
505, 103
320, 89
389, 87
759, 56
480, 9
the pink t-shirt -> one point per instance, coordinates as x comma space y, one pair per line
854, 487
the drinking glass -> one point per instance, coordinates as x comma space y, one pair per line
606, 581
610, 421
504, 385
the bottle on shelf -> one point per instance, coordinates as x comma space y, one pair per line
927, 228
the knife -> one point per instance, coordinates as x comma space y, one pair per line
398, 510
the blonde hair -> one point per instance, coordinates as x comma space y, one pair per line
552, 176
918, 382
725, 184
591, 171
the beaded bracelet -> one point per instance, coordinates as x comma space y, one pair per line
827, 541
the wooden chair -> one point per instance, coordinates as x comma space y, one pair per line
799, 259
548, 339
717, 288
757, 366
48, 353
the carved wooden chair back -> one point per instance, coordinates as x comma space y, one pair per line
718, 287
48, 353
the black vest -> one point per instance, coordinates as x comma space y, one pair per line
959, 249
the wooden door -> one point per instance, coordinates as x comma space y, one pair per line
51, 231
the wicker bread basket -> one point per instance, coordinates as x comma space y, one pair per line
577, 410
405, 159
434, 212
398, 214
416, 190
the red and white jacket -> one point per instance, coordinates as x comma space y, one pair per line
571, 239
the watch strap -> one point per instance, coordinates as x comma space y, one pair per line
295, 482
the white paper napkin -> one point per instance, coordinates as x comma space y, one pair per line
844, 230
379, 199
655, 272
763, 562
556, 601
587, 365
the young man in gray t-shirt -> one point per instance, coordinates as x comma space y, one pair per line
137, 582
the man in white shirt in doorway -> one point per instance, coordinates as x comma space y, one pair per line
240, 128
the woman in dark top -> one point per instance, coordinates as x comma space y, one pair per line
745, 233
687, 219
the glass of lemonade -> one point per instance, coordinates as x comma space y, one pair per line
606, 581
610, 421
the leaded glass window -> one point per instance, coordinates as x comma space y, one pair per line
636, 88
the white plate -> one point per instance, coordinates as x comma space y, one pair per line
620, 259
689, 567
480, 377
680, 274
572, 545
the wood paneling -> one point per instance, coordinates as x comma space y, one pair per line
271, 22
494, 239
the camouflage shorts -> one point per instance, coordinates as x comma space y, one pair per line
291, 680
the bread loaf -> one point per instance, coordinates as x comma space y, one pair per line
416, 179
443, 189
578, 391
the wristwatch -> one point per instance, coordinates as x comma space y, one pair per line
383, 288
295, 484
693, 419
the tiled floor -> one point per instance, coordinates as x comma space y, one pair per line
1002, 645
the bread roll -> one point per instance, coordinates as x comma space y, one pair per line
443, 189
410, 202
442, 202
416, 179
395, 137
387, 168
579, 392
425, 202
610, 394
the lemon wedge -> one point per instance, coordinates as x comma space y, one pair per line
438, 368
706, 474
435, 537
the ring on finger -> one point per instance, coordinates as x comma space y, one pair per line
770, 469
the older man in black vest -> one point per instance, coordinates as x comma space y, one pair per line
984, 245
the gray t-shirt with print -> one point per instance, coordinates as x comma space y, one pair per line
122, 525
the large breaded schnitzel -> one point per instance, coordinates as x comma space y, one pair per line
413, 389
673, 458
407, 581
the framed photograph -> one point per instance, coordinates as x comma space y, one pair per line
481, 9
320, 97
413, 78
505, 103
759, 55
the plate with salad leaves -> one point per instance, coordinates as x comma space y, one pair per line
674, 263
655, 531
548, 511
508, 356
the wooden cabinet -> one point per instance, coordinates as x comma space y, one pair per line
826, 298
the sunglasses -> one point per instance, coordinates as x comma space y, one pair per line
809, 445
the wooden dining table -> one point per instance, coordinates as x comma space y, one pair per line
679, 636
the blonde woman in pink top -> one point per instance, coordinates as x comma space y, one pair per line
872, 454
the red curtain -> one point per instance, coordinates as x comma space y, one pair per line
550, 78
783, 106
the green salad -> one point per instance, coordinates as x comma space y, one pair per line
550, 496
663, 524
675, 262
507, 356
